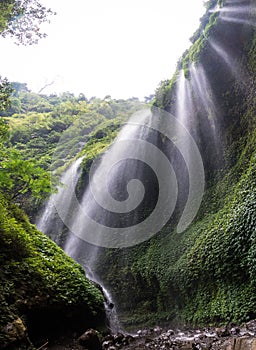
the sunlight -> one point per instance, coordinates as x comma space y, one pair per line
107, 48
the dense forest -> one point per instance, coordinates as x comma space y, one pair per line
203, 275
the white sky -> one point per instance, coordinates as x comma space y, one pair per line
121, 48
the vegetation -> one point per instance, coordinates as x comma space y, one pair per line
42, 290
205, 275
22, 19
37, 279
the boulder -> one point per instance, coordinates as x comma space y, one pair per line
90, 340
15, 331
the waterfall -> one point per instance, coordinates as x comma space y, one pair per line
151, 177
48, 221
65, 197
132, 192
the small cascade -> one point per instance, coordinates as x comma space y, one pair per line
114, 324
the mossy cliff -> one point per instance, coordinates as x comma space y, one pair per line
205, 275
43, 292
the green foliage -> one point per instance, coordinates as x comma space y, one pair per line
200, 42
19, 177
164, 93
6, 10
46, 133
53, 128
205, 275
35, 273
22, 20
5, 92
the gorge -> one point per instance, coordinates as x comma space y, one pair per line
156, 201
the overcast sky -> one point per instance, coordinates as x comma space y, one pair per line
121, 48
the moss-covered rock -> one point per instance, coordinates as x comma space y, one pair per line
40, 285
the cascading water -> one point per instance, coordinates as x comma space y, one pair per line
131, 195
132, 192
134, 187
66, 198
65, 195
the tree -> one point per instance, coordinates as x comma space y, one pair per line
19, 178
22, 178
5, 92
21, 19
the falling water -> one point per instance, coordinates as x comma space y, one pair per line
74, 212
65, 195
237, 12
112, 197
66, 198
205, 98
235, 68
115, 200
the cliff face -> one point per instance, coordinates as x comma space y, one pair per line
207, 273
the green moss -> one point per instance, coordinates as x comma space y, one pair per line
37, 274
200, 42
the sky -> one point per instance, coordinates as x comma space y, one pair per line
122, 48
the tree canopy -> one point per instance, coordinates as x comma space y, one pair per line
21, 19
19, 178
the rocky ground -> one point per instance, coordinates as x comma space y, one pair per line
225, 338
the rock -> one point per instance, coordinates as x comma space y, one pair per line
157, 330
170, 332
90, 340
242, 343
106, 344
118, 338
251, 326
222, 332
15, 330
234, 330
109, 337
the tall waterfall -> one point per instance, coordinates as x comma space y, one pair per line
152, 176
132, 192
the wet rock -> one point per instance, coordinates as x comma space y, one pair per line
222, 332
157, 330
128, 339
118, 338
109, 337
223, 338
251, 326
143, 333
90, 340
234, 330
106, 344
170, 332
